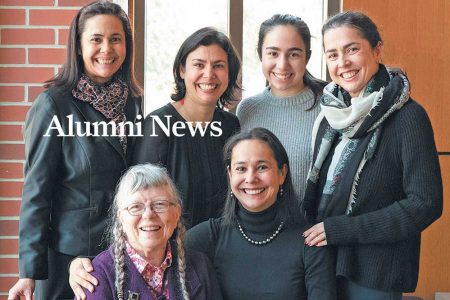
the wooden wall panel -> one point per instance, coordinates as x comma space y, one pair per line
434, 273
416, 36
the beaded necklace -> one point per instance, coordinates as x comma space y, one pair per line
268, 240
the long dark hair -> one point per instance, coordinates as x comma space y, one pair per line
204, 37
315, 84
288, 208
72, 69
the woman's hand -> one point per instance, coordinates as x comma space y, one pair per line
315, 236
79, 277
23, 287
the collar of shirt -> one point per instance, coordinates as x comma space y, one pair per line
153, 275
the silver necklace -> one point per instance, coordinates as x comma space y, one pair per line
268, 240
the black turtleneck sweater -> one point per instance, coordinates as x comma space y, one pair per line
282, 269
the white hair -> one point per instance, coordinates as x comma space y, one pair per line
138, 178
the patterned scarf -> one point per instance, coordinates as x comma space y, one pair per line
108, 99
358, 123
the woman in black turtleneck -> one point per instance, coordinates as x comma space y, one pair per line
256, 246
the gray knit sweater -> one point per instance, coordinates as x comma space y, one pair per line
289, 119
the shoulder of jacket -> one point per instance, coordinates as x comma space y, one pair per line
58, 95
53, 99
411, 113
412, 106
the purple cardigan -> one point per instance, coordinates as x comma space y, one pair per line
201, 280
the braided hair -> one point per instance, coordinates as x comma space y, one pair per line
119, 258
181, 259
137, 178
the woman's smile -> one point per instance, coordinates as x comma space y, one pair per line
253, 191
255, 178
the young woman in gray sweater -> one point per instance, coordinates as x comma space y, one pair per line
287, 106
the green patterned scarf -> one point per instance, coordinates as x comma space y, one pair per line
360, 122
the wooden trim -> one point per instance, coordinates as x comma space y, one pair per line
235, 31
235, 24
136, 13
331, 7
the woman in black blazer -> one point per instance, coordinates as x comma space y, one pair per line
71, 170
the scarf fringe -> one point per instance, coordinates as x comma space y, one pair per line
389, 98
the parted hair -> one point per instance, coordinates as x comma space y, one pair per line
315, 84
71, 71
137, 178
366, 27
205, 37
288, 208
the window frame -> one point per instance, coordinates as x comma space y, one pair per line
136, 12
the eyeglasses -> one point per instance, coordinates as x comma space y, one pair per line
160, 206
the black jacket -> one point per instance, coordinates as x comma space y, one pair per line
69, 181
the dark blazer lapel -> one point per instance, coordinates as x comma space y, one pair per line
133, 108
91, 115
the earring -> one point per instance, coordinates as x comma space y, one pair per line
281, 191
231, 194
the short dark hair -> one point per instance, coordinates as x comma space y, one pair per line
204, 37
72, 69
357, 20
288, 207
315, 84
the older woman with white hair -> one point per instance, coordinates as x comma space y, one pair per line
146, 259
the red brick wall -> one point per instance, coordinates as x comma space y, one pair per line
32, 38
